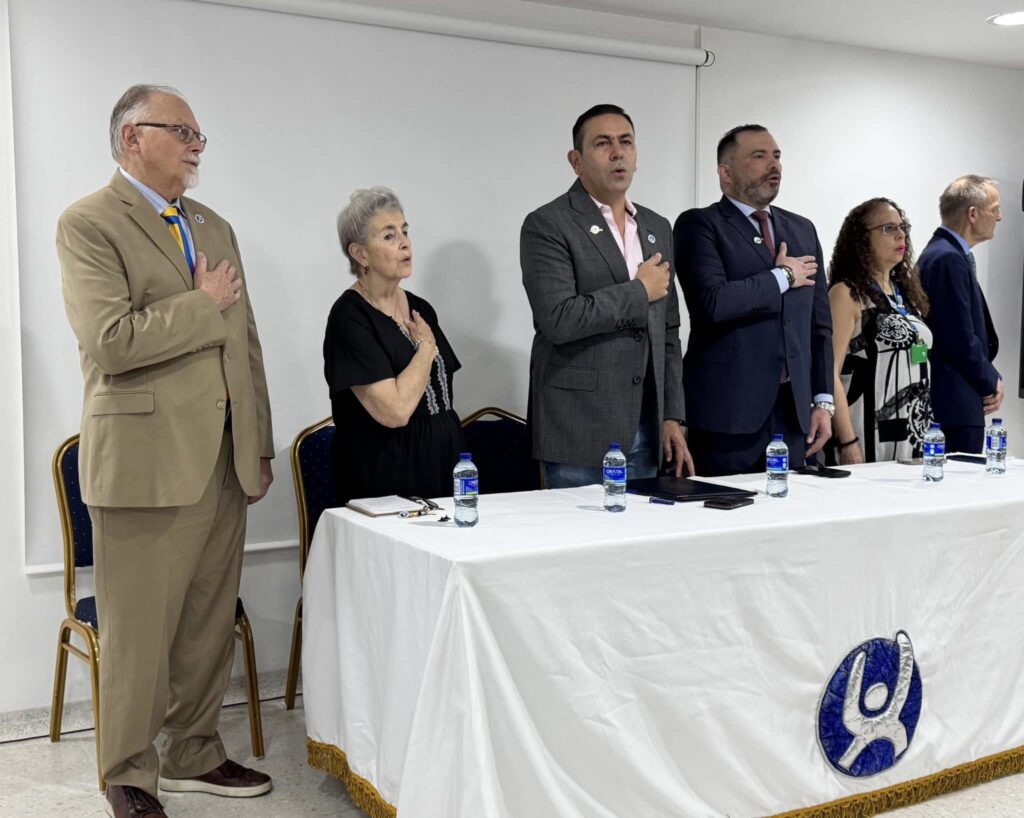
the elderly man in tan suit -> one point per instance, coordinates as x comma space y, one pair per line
175, 438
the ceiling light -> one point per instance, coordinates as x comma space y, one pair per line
1013, 18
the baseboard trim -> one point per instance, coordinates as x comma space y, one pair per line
21, 725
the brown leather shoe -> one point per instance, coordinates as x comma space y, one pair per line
131, 802
230, 780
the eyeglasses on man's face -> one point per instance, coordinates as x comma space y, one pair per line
891, 228
186, 134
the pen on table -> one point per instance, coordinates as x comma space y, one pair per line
662, 501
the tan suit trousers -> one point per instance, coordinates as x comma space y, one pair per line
166, 586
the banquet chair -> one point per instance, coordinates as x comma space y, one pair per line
76, 530
314, 492
500, 446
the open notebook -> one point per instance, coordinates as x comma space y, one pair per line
382, 506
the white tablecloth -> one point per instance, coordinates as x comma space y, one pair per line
559, 660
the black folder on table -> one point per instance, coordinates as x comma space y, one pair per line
683, 489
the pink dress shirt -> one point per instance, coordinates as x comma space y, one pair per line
629, 245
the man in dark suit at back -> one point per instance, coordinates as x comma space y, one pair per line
759, 358
605, 365
965, 385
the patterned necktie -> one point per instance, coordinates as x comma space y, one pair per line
173, 218
974, 264
766, 233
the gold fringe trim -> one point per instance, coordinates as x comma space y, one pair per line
961, 777
364, 795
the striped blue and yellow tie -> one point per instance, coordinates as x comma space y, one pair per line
173, 218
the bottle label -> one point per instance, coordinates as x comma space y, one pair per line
995, 444
615, 474
934, 449
466, 486
778, 462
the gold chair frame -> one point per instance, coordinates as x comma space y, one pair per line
243, 633
490, 410
91, 654
305, 539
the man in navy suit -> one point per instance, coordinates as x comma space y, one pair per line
759, 358
965, 385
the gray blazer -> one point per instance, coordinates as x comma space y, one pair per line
595, 331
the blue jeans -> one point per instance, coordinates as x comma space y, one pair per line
642, 461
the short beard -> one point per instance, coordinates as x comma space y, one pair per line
757, 196
192, 179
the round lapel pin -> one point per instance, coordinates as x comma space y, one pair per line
199, 218
758, 240
650, 238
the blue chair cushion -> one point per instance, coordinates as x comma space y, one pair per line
81, 524
85, 611
501, 451
317, 473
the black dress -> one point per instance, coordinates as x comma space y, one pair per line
363, 346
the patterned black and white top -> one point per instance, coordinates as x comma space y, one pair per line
889, 398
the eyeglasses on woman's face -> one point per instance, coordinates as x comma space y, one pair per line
891, 228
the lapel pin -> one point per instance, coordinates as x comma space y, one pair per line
594, 230
650, 238
758, 240
199, 218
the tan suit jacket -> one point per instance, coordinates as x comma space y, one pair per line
158, 359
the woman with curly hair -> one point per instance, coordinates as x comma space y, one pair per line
879, 339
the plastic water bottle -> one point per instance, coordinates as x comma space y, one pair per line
777, 467
934, 453
995, 447
614, 479
467, 489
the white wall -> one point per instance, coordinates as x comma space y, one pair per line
473, 135
299, 111
853, 124
13, 586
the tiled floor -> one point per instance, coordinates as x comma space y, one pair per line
38, 778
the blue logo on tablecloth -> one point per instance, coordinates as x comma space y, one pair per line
870, 707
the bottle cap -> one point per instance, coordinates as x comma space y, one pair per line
465, 455
997, 421
614, 447
935, 427
777, 437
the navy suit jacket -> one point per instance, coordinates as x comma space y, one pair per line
741, 325
964, 339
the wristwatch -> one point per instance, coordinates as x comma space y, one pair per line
789, 273
828, 406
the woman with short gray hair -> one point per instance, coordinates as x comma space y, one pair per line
388, 365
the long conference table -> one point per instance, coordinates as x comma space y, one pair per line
854, 647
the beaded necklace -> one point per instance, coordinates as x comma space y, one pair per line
438, 363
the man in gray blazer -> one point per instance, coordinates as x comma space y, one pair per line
606, 364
